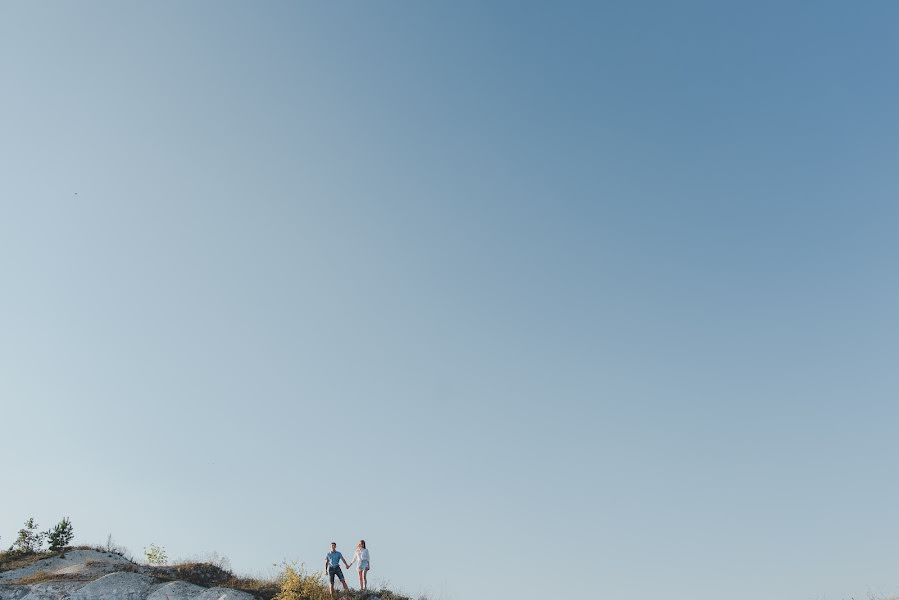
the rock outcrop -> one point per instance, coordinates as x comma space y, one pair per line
95, 575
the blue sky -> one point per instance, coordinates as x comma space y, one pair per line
533, 297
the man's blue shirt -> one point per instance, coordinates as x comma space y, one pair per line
334, 558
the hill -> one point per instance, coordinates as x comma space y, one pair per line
94, 574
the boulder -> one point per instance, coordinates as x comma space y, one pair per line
176, 590
218, 593
116, 586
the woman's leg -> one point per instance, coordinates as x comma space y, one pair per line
363, 575
361, 579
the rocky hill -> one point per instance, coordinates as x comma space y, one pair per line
97, 575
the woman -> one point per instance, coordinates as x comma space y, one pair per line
361, 554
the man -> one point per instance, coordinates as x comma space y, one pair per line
332, 566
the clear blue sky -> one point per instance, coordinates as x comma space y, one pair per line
535, 297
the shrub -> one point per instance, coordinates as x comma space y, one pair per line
155, 555
29, 540
110, 547
61, 535
204, 574
296, 584
386, 594
215, 572
260, 588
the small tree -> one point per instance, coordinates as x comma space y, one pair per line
61, 535
155, 555
29, 540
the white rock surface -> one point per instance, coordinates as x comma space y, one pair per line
81, 564
176, 590
95, 575
223, 594
117, 586
52, 590
13, 592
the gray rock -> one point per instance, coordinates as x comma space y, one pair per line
13, 592
176, 590
117, 586
95, 575
80, 564
218, 593
51, 590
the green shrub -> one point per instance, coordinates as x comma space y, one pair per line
61, 535
29, 540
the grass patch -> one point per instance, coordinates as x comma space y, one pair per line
16, 560
385, 594
41, 577
212, 575
197, 573
109, 549
121, 567
294, 583
261, 588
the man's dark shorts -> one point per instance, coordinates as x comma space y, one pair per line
332, 571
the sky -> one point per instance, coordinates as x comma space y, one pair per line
537, 298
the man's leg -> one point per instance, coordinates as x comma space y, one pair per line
331, 582
343, 581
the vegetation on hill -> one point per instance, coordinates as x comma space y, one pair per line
292, 582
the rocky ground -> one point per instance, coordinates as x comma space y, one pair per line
96, 575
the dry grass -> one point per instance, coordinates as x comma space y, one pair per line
386, 594
204, 574
260, 588
43, 576
211, 575
122, 567
15, 560
110, 549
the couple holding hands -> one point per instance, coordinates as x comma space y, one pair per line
332, 566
